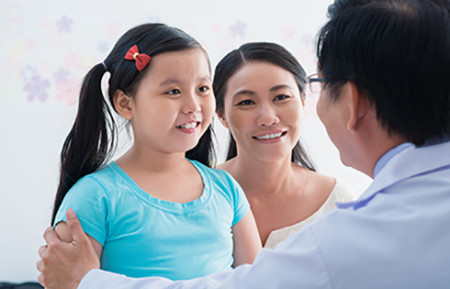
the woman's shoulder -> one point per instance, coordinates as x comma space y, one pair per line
313, 181
343, 192
338, 190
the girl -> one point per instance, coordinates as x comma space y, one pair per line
158, 210
260, 94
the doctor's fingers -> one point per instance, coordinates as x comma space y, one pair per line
40, 279
40, 266
51, 237
42, 251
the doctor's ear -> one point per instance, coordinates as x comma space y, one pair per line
223, 120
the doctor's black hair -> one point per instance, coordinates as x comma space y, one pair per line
397, 52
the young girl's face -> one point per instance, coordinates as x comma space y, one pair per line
263, 110
174, 103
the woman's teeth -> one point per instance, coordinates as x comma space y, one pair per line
269, 136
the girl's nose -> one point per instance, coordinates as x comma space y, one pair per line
191, 104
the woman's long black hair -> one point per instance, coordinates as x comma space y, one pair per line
266, 52
91, 142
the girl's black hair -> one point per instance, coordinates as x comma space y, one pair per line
91, 142
266, 52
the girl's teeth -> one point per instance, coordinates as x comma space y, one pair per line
188, 125
269, 136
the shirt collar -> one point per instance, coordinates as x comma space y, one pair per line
419, 163
389, 155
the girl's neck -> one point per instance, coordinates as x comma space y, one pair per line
261, 177
151, 161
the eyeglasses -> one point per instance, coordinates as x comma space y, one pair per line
315, 83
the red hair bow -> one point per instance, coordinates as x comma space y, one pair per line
141, 59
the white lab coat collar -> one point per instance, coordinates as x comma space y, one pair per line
410, 162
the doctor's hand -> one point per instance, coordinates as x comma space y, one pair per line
63, 264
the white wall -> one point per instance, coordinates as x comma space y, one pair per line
47, 46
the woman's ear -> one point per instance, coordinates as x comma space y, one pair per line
122, 103
223, 120
302, 99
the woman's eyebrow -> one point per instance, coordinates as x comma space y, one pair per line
244, 92
277, 87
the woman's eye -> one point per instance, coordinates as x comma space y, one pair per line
281, 97
203, 89
173, 91
245, 102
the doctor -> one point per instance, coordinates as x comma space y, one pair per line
384, 66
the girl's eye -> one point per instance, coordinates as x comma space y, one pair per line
173, 91
203, 89
245, 102
281, 97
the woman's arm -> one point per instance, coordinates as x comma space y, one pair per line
246, 241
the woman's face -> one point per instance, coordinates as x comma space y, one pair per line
263, 110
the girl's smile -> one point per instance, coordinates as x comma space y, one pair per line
189, 127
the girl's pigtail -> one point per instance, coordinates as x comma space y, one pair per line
91, 141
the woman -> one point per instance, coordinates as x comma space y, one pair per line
260, 93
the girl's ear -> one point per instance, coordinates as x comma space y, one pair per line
223, 120
122, 103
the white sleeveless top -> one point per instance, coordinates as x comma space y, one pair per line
340, 193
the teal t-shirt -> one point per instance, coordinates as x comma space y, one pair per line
144, 236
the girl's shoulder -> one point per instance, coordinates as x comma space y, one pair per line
216, 175
217, 171
102, 179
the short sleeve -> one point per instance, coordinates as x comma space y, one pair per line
240, 202
89, 201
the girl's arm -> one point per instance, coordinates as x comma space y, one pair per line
63, 232
246, 241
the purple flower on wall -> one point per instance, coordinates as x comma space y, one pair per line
37, 88
238, 29
64, 24
28, 73
61, 75
68, 91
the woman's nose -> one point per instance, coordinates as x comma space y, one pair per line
267, 116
